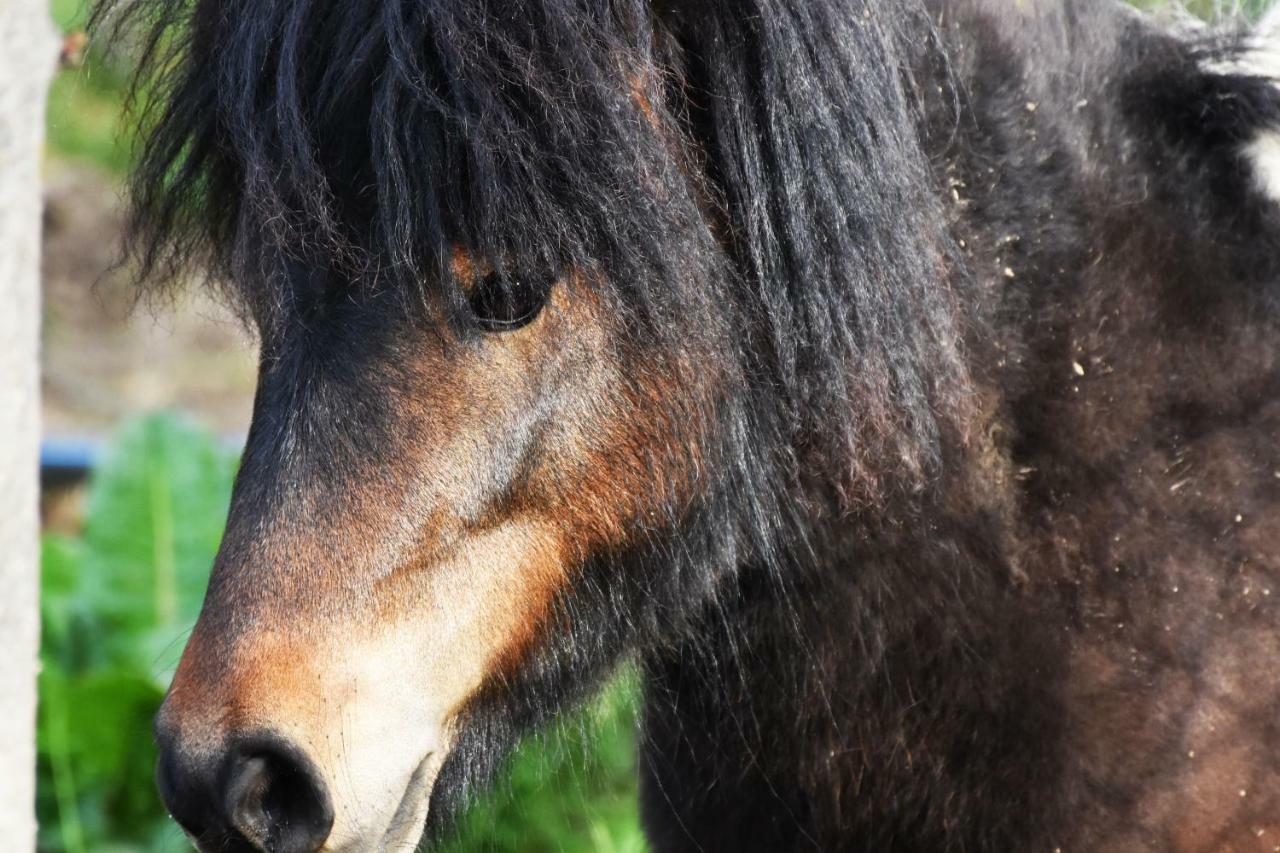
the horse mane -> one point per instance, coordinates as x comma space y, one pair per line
365, 137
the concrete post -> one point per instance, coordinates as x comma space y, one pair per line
28, 53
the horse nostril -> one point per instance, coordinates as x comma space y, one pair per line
273, 796
176, 779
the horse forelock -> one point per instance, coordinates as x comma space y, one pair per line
756, 159
370, 138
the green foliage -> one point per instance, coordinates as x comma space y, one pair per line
573, 790
118, 602
1212, 9
84, 121
86, 104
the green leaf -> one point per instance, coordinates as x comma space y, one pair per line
63, 613
110, 713
157, 507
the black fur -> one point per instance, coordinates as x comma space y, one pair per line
881, 625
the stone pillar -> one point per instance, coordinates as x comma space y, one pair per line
28, 53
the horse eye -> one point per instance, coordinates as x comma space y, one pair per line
504, 304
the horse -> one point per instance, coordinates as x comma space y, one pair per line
894, 385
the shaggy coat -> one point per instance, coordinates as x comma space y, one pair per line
976, 544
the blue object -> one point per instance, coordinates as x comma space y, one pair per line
68, 458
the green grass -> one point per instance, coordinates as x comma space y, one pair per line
117, 603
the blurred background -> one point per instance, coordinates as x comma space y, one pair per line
145, 408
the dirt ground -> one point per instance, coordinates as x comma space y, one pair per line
105, 359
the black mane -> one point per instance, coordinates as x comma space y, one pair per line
362, 139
